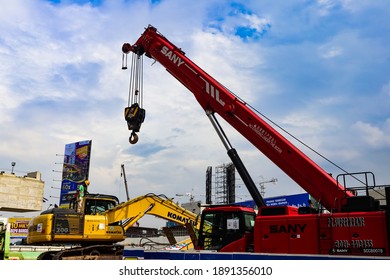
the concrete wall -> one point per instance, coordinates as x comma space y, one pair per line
21, 194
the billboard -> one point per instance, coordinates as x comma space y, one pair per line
231, 183
75, 169
208, 184
18, 227
297, 200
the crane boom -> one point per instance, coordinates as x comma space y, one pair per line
125, 180
215, 98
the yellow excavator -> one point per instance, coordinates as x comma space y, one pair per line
94, 231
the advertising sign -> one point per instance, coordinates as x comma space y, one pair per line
75, 169
19, 227
297, 200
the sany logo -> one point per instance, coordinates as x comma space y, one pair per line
173, 57
294, 228
210, 89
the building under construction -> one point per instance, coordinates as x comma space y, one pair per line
21, 194
224, 184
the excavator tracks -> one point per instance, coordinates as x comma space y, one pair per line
95, 252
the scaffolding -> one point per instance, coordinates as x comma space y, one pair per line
225, 184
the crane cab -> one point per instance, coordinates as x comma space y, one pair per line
227, 229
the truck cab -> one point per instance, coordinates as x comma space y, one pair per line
227, 228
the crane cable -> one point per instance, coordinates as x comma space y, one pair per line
134, 113
306, 145
295, 138
136, 81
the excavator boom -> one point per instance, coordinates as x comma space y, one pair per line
130, 212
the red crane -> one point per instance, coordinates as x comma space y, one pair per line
352, 225
215, 98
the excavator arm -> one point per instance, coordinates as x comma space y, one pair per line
215, 98
128, 213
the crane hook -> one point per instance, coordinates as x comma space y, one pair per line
133, 138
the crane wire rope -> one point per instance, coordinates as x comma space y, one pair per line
305, 145
293, 136
136, 81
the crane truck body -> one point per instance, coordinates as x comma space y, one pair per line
349, 224
96, 231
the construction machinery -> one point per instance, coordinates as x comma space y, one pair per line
96, 231
350, 222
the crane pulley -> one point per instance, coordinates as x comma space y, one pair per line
134, 113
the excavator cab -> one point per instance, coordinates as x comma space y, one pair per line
69, 225
227, 228
95, 203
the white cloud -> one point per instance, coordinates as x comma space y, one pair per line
325, 6
258, 23
386, 89
331, 52
352, 6
372, 135
306, 120
330, 100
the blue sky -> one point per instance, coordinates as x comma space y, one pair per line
319, 69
